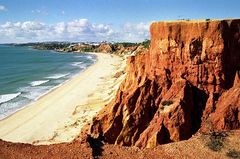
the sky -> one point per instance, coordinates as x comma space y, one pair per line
100, 20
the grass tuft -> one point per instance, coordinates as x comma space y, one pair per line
216, 142
233, 154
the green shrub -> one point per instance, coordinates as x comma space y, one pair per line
87, 49
126, 44
146, 43
233, 154
216, 141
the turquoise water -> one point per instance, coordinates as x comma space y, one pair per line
27, 74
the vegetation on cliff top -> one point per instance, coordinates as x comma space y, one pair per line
117, 48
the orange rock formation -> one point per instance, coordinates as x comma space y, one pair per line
187, 82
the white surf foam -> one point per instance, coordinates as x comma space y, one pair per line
37, 83
7, 97
9, 108
83, 67
76, 63
89, 57
80, 65
33, 93
57, 76
92, 58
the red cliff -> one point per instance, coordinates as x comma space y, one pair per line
187, 82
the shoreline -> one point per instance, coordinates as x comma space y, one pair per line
53, 88
59, 115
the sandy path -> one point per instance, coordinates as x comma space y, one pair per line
59, 115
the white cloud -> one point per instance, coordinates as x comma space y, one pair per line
136, 32
2, 8
23, 31
60, 28
77, 30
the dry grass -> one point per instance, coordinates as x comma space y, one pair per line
233, 154
216, 141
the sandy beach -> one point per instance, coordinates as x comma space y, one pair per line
60, 115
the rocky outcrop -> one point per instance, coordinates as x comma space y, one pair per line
120, 49
105, 48
227, 113
178, 87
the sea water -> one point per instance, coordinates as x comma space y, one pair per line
27, 74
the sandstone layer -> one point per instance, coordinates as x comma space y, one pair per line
187, 82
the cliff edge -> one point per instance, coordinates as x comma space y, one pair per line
187, 82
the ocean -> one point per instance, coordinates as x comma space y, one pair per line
27, 74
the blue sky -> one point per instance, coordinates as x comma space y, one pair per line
95, 20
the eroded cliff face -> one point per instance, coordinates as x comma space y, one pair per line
187, 82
